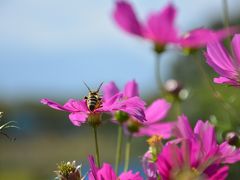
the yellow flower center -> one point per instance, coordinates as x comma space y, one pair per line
154, 140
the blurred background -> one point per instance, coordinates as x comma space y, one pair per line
47, 50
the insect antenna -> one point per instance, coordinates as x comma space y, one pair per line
99, 87
87, 86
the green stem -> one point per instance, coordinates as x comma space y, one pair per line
177, 107
158, 73
225, 13
226, 20
127, 152
119, 147
96, 145
204, 74
216, 94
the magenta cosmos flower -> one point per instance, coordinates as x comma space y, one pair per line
154, 114
159, 26
199, 38
198, 156
226, 65
106, 172
79, 111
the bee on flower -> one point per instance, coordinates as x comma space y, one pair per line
91, 107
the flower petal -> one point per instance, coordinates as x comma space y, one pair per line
160, 26
76, 105
161, 129
93, 169
106, 172
130, 175
71, 105
230, 154
131, 89
197, 38
134, 107
183, 128
218, 58
206, 133
220, 174
126, 19
157, 111
149, 167
109, 90
236, 47
224, 80
77, 118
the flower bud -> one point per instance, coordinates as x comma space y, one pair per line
158, 48
121, 116
233, 139
155, 143
172, 86
69, 171
133, 125
176, 89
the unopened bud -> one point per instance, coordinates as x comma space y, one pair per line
233, 139
121, 116
133, 125
172, 86
159, 48
155, 143
176, 89
155, 140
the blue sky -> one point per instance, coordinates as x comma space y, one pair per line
47, 48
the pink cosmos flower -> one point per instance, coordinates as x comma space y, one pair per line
204, 131
199, 38
79, 111
226, 65
106, 172
198, 156
184, 162
158, 28
156, 112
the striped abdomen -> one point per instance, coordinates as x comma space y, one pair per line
93, 101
